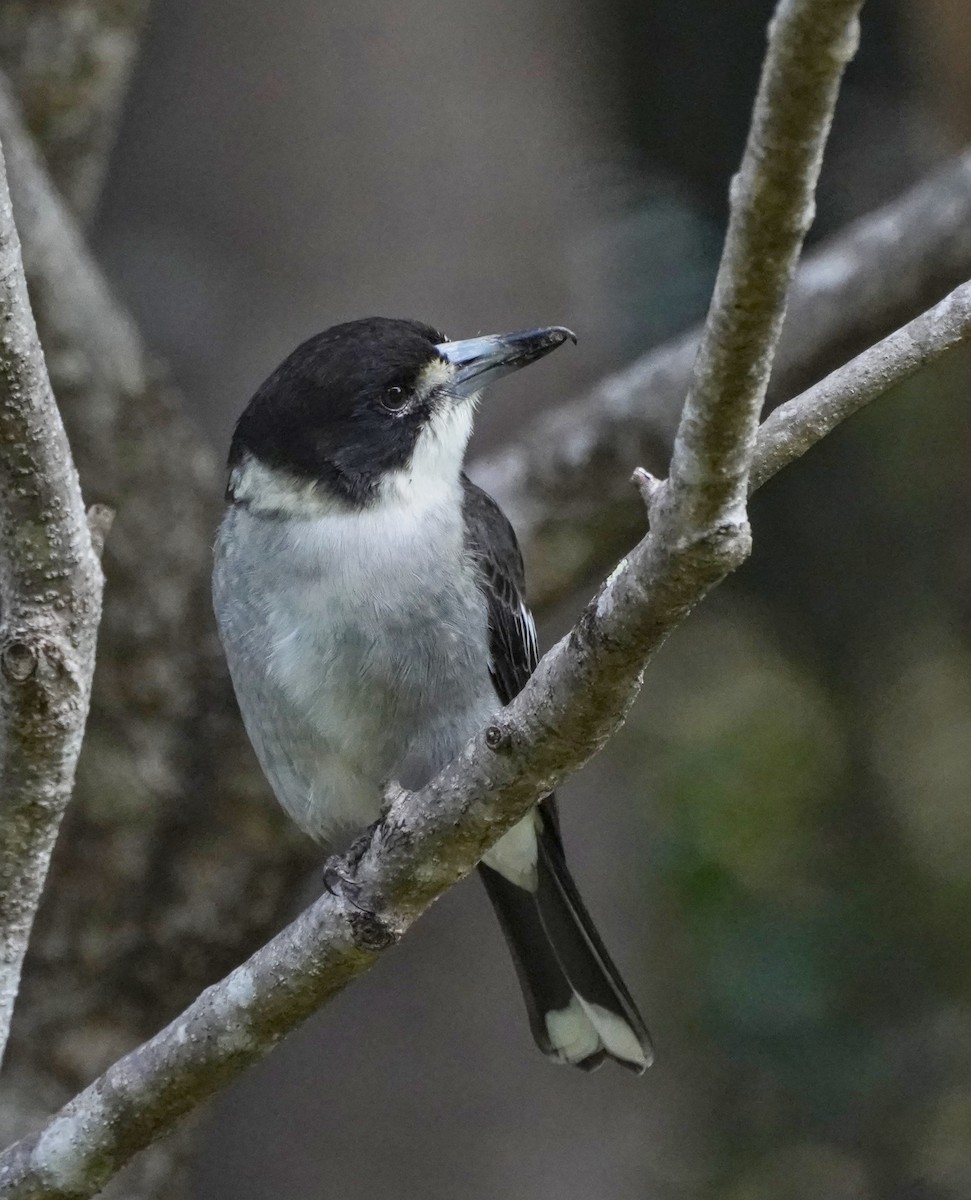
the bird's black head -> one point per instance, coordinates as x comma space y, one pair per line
366, 403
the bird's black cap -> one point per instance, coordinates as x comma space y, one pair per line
348, 405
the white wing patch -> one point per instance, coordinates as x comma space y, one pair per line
580, 1030
514, 855
572, 1034
618, 1037
527, 627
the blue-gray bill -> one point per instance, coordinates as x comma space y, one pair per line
480, 361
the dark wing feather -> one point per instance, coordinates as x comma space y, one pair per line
554, 943
491, 543
513, 647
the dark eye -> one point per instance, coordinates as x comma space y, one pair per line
394, 399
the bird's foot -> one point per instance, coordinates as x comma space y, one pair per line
370, 931
340, 870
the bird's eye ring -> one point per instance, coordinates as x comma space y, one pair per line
394, 399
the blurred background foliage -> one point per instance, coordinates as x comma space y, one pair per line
779, 843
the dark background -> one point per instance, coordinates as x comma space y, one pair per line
778, 846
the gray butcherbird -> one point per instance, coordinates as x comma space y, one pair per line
370, 603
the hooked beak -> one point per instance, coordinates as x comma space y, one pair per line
482, 360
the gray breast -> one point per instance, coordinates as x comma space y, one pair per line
358, 648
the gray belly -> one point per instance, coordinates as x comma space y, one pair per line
350, 671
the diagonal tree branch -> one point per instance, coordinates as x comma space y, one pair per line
576, 699
136, 450
50, 605
788, 432
156, 738
563, 482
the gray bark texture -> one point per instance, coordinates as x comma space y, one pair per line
579, 694
167, 790
772, 208
50, 606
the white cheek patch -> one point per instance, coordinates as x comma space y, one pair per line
436, 460
269, 489
441, 444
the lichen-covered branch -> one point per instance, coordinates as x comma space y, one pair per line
564, 480
69, 61
50, 606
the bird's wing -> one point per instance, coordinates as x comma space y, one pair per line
492, 545
579, 1007
513, 646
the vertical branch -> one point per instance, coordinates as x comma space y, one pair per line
772, 207
50, 605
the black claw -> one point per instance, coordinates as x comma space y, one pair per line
335, 880
369, 930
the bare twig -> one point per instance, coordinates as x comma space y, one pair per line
69, 61
563, 482
647, 484
788, 432
50, 605
577, 697
100, 520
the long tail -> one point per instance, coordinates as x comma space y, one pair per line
580, 1011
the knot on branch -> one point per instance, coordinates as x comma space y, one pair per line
713, 551
498, 738
18, 660
729, 544
370, 932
